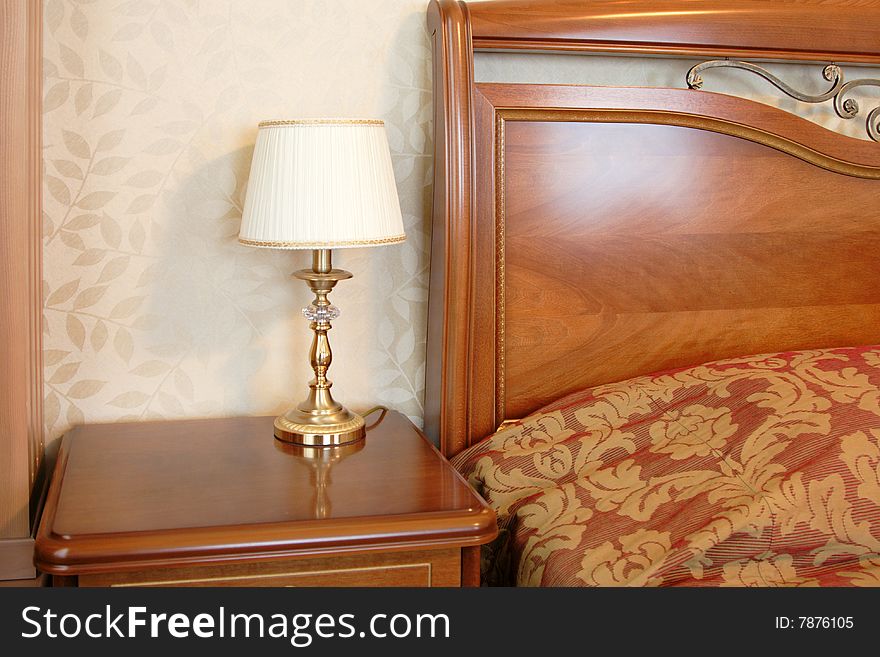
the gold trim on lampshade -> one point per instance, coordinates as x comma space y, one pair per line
321, 245
321, 184
269, 124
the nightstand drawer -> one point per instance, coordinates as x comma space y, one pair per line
415, 568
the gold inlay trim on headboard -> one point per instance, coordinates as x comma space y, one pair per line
653, 117
499, 271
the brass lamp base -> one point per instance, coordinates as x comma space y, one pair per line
319, 429
320, 421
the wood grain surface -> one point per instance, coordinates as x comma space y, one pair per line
579, 222
163, 494
20, 268
829, 30
447, 362
417, 568
616, 232
631, 248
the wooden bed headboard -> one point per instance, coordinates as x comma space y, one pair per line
584, 235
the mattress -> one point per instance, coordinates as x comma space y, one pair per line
755, 471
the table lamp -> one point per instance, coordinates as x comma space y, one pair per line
321, 184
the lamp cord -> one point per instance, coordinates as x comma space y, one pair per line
384, 409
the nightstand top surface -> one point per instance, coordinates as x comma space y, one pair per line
165, 493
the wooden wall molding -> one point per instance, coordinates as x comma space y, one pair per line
21, 382
17, 559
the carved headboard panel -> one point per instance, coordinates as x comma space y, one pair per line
584, 235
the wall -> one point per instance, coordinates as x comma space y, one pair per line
153, 310
601, 70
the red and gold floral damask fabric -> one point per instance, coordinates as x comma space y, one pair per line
758, 471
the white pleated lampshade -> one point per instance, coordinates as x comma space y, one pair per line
321, 184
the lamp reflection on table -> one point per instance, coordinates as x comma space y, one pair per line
320, 461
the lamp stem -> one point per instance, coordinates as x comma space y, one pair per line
320, 421
321, 355
322, 262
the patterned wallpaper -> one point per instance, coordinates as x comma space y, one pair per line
153, 310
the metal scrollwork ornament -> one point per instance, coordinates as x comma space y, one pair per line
846, 108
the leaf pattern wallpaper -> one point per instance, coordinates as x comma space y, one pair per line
152, 308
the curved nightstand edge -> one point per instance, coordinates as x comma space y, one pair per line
60, 555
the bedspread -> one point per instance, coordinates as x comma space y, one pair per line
756, 471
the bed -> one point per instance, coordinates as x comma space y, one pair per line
654, 311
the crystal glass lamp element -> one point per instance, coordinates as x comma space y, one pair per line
321, 184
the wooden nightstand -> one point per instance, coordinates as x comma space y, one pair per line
222, 503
